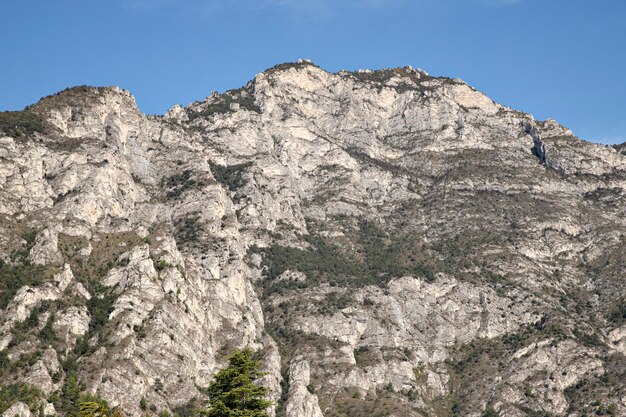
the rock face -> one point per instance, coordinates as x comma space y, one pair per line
18, 409
391, 243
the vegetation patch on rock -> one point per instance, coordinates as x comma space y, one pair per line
20, 123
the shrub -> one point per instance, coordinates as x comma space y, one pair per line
99, 309
17, 276
490, 412
21, 329
188, 409
230, 176
20, 123
10, 394
617, 315
187, 229
384, 257
177, 184
5, 362
365, 356
288, 65
333, 302
222, 104
162, 264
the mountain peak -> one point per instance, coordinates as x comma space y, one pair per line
82, 96
389, 242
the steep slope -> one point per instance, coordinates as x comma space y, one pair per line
392, 243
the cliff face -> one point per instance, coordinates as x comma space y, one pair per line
390, 242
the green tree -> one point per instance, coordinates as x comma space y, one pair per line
233, 392
70, 395
92, 409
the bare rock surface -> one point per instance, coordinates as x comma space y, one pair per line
389, 242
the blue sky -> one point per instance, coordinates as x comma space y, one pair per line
564, 59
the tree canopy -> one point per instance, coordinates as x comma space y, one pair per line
233, 392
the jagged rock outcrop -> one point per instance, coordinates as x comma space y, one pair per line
390, 242
301, 402
18, 409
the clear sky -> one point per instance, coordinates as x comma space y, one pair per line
564, 59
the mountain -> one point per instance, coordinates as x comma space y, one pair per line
389, 242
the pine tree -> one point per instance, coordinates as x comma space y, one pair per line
70, 395
233, 392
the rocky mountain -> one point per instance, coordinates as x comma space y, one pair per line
389, 242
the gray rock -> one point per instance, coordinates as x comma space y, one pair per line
18, 409
389, 241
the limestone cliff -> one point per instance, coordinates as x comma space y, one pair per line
391, 243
